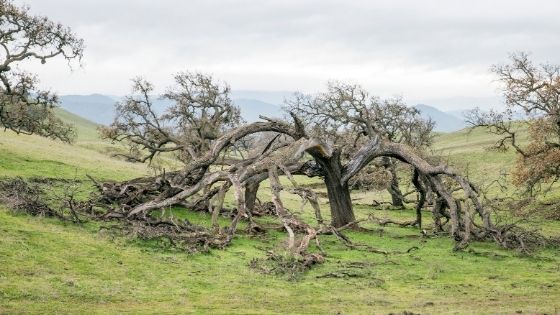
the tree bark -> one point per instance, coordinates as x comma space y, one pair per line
417, 182
397, 198
339, 201
396, 194
251, 190
337, 190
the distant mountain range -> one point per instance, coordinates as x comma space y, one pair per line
95, 107
251, 109
445, 121
100, 108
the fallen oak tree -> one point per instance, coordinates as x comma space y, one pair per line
243, 172
210, 172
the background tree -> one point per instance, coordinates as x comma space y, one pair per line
200, 110
398, 123
533, 91
23, 107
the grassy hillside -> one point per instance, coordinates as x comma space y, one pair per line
85, 129
470, 151
50, 267
28, 156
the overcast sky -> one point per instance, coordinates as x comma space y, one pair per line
421, 50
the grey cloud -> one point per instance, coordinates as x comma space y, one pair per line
159, 37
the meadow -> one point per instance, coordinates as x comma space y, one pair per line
52, 267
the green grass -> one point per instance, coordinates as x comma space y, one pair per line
470, 151
28, 156
51, 267
86, 130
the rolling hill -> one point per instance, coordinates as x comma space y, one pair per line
50, 267
85, 129
30, 156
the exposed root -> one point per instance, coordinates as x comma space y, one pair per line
387, 221
363, 247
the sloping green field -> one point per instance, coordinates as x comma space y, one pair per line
51, 267
471, 151
29, 156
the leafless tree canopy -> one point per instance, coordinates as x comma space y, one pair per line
346, 116
23, 107
348, 109
200, 111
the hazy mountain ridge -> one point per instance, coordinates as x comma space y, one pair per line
445, 121
100, 108
95, 107
251, 109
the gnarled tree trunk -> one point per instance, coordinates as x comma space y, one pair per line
397, 198
339, 201
251, 190
337, 190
